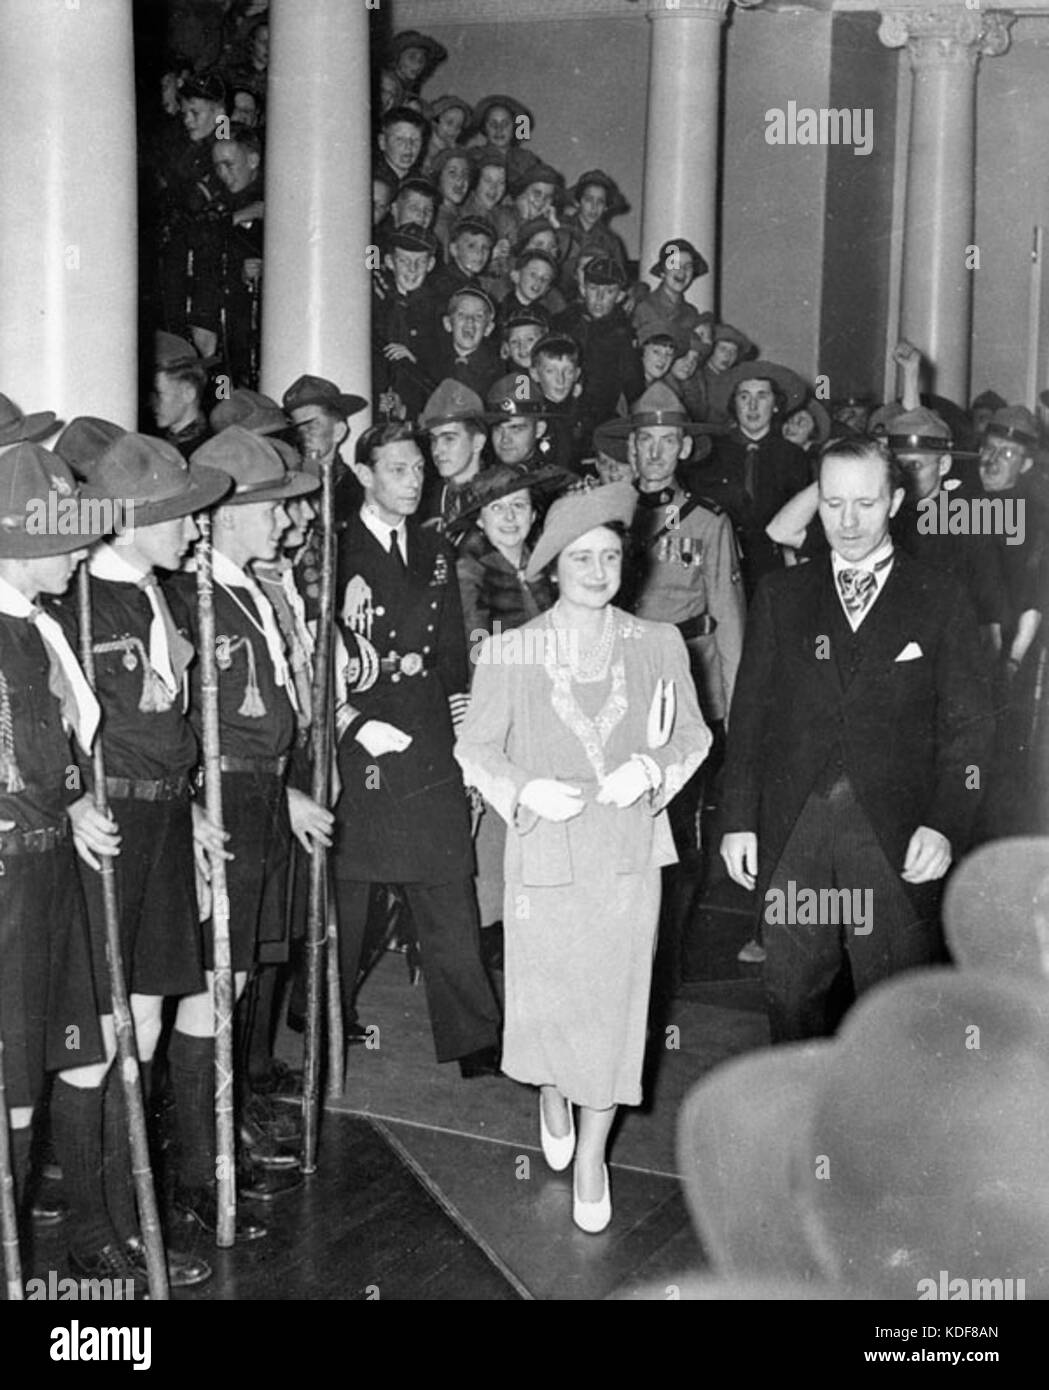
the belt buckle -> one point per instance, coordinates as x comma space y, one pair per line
411, 664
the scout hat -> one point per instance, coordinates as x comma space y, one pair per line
250, 409
990, 400
996, 908
152, 475
451, 402
555, 344
515, 394
577, 512
16, 428
658, 405
680, 340
604, 270
915, 1147
1014, 422
411, 38
682, 247
725, 333
170, 352
471, 292
820, 418
413, 236
921, 431
616, 202
475, 222
84, 440
612, 442
499, 480
315, 390
448, 102
36, 487
256, 468
786, 381
536, 173
516, 108
535, 225
488, 155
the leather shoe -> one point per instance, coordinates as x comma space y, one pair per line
557, 1150
49, 1209
200, 1205
261, 1184
592, 1217
184, 1270
111, 1262
483, 1062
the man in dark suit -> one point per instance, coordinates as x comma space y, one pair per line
403, 817
861, 733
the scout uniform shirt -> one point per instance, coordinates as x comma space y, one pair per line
691, 578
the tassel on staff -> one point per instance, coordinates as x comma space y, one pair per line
223, 1001
8, 1211
127, 1052
317, 925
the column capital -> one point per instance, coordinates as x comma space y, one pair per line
945, 36
716, 10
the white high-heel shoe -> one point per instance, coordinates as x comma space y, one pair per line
592, 1217
557, 1152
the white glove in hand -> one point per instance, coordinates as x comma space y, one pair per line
552, 800
625, 785
377, 737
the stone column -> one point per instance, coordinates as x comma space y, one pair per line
68, 218
681, 139
944, 46
316, 286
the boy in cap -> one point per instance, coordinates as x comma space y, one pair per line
465, 351
469, 251
48, 1012
454, 419
405, 323
180, 380
678, 264
611, 366
415, 201
521, 330
403, 815
532, 282
257, 725
141, 661
515, 410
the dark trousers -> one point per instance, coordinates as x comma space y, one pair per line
464, 1014
833, 846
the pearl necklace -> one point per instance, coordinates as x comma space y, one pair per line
592, 667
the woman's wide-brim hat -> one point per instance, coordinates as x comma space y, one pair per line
617, 204
40, 506
411, 38
152, 482
516, 108
578, 512
788, 383
898, 1150
257, 469
500, 480
820, 419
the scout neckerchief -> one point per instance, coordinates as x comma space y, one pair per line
66, 680
229, 576
169, 652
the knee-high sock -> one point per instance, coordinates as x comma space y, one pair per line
191, 1062
76, 1125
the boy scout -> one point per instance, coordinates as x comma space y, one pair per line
611, 365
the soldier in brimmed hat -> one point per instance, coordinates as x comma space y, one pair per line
753, 470
611, 366
677, 265
48, 1011
141, 661
257, 729
454, 419
403, 816
320, 413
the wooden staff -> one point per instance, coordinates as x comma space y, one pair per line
316, 918
336, 1035
8, 1213
127, 1052
223, 972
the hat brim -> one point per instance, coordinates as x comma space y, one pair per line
31, 429
788, 382
624, 427
206, 487
343, 404
699, 266
542, 479
19, 544
739, 1131
295, 485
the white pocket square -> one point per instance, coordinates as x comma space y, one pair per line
911, 652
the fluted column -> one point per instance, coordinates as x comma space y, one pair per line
681, 138
944, 46
316, 287
68, 235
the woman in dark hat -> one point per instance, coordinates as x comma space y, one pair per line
582, 725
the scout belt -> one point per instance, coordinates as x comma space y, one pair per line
409, 664
700, 626
265, 767
137, 789
32, 841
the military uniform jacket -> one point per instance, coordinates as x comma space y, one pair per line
402, 817
690, 567
146, 734
37, 764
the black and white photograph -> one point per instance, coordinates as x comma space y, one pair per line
524, 747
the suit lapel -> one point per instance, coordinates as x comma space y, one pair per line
883, 631
826, 622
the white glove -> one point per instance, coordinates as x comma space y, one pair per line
552, 800
377, 737
625, 785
